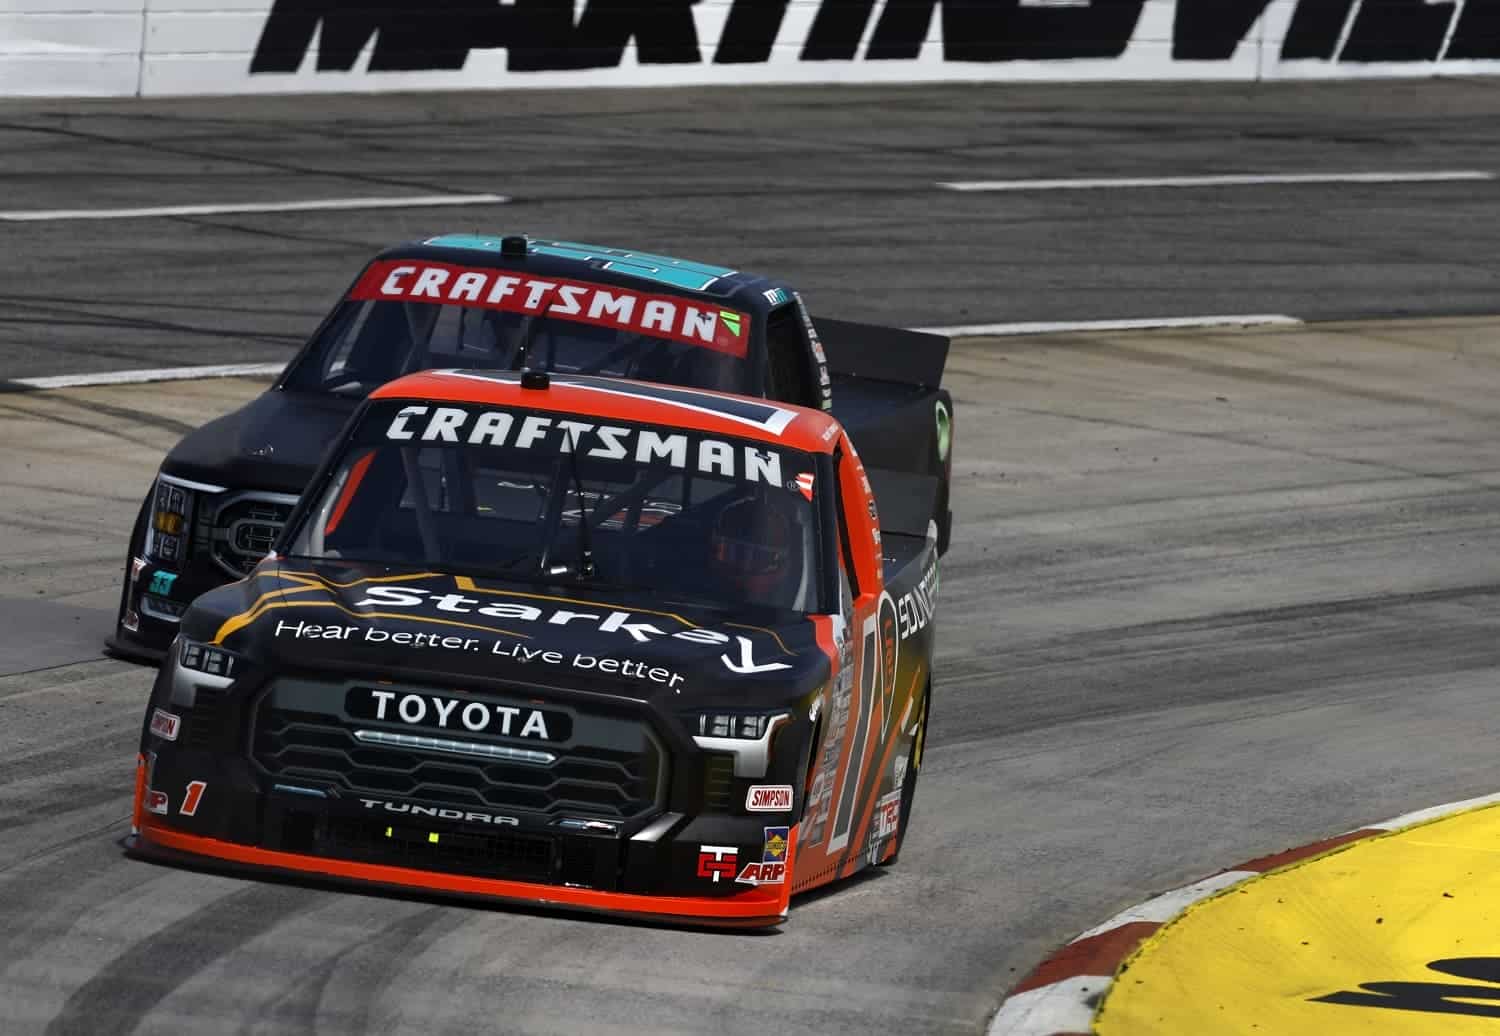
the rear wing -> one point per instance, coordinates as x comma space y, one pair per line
907, 501
883, 353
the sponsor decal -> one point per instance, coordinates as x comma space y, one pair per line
645, 446
804, 484
600, 305
776, 296
161, 583
466, 715
438, 813
194, 796
771, 870
944, 430
916, 607
165, 725
899, 770
740, 658
137, 565
717, 861
156, 802
769, 798
887, 814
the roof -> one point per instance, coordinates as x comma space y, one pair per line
750, 292
718, 413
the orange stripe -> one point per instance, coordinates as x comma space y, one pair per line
763, 905
356, 476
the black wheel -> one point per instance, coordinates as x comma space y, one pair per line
909, 782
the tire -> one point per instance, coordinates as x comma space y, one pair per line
909, 783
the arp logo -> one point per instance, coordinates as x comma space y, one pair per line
717, 861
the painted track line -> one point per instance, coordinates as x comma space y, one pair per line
1140, 324
140, 377
1227, 180
1060, 997
420, 201
233, 370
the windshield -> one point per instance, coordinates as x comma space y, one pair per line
537, 497
409, 316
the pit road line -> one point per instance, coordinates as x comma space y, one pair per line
420, 201
1227, 180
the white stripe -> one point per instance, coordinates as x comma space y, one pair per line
222, 370
1052, 327
1169, 904
253, 369
1433, 812
421, 201
1230, 180
1063, 1006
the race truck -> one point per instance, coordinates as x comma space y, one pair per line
572, 641
224, 492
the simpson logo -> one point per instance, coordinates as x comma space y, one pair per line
706, 455
717, 861
165, 725
438, 712
157, 802
769, 798
662, 316
771, 870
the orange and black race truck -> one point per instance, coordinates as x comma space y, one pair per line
583, 642
224, 492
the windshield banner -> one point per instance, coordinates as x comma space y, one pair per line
659, 316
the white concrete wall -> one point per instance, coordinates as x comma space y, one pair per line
165, 47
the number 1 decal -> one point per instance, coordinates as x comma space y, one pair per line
192, 798
870, 678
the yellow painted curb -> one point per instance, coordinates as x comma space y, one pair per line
1396, 933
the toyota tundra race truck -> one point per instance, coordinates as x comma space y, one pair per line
223, 493
572, 641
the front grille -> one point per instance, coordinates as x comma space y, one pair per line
613, 768
245, 527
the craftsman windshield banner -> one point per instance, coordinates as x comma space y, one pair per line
209, 46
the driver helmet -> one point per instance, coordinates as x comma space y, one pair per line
750, 546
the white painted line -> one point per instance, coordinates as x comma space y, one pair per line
140, 377
1168, 905
1147, 323
420, 201
1229, 180
1432, 813
1063, 1006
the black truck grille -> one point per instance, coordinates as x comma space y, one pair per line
245, 528
619, 781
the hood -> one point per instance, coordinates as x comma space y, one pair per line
273, 442
372, 620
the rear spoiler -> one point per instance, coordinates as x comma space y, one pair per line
883, 353
906, 500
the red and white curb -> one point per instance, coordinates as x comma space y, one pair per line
1061, 996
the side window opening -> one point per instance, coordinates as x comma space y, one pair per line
788, 377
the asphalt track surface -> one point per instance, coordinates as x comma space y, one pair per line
1211, 594
832, 187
